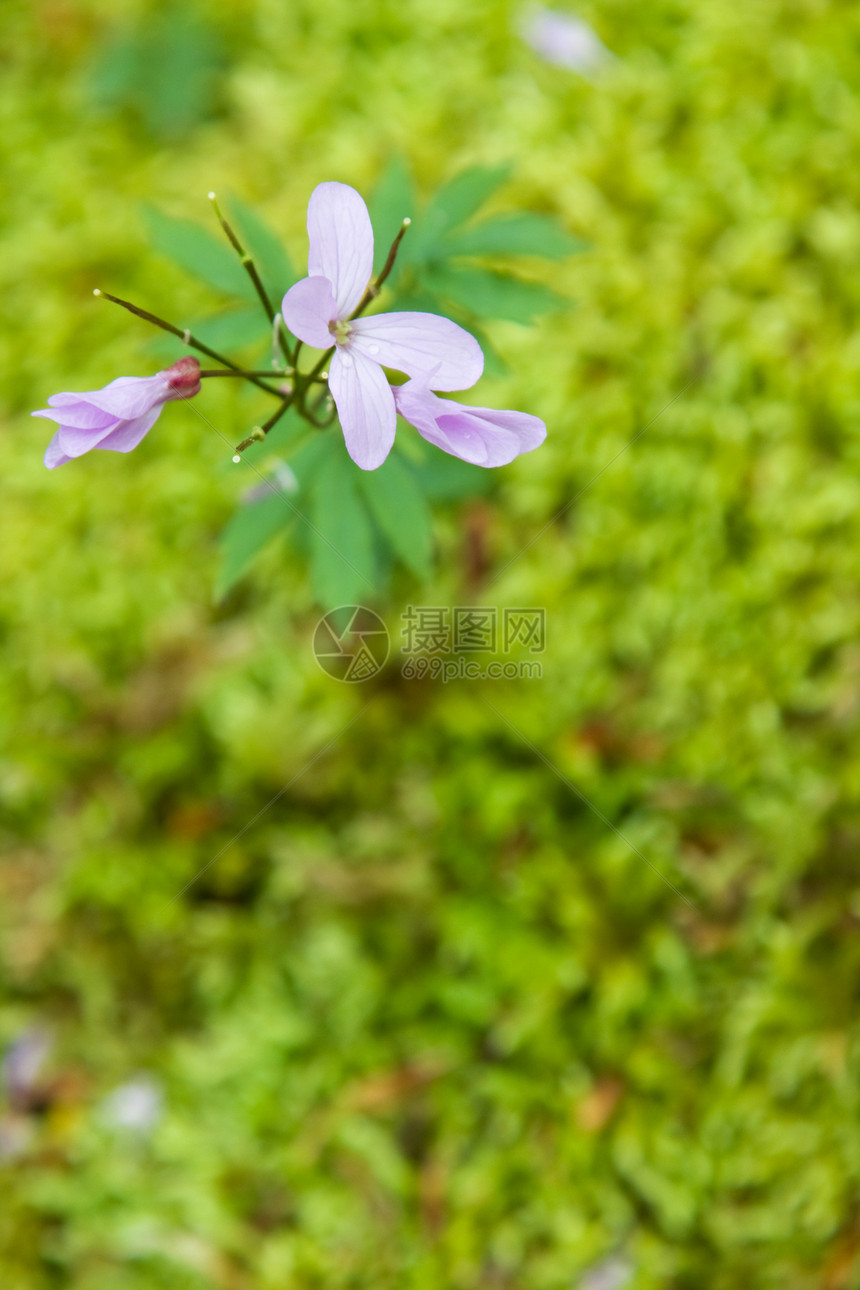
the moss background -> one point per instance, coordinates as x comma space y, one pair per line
428, 1022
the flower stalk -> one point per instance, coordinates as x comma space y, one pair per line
185, 336
246, 259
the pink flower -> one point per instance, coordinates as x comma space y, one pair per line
481, 436
118, 416
317, 310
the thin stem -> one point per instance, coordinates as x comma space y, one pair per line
259, 432
313, 374
187, 339
247, 260
281, 342
219, 372
376, 286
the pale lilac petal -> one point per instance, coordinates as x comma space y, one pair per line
77, 413
420, 345
128, 434
118, 416
530, 431
340, 240
308, 308
54, 455
481, 436
75, 441
125, 398
463, 433
365, 408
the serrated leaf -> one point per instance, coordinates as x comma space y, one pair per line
391, 201
400, 509
342, 564
250, 529
268, 251
199, 252
516, 234
493, 295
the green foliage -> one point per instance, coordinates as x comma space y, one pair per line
420, 1018
199, 252
250, 528
390, 512
400, 508
440, 267
266, 247
342, 564
165, 72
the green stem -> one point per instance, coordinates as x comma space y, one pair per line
375, 287
187, 339
259, 432
238, 372
247, 260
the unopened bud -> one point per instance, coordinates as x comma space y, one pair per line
183, 377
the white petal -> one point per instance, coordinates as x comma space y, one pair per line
421, 345
365, 408
308, 308
340, 240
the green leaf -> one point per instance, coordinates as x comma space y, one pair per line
455, 202
400, 509
463, 195
493, 295
234, 328
252, 526
523, 234
266, 247
165, 70
178, 85
342, 563
391, 201
443, 478
282, 436
199, 252
313, 455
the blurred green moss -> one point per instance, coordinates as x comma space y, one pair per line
429, 1022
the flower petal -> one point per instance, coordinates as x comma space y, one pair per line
422, 409
308, 308
77, 413
74, 441
481, 436
125, 398
128, 434
420, 345
54, 455
340, 240
466, 436
365, 408
530, 431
